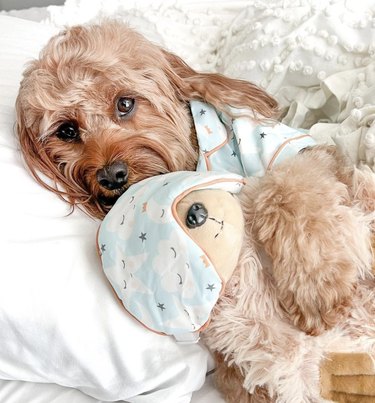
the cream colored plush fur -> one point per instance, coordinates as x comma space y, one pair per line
222, 234
255, 333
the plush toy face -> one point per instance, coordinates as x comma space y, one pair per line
219, 229
168, 246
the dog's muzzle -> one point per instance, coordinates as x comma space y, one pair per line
113, 176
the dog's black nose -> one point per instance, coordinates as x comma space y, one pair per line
113, 176
196, 215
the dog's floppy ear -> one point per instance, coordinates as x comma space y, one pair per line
32, 150
42, 167
217, 89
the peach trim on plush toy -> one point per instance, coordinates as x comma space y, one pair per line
177, 218
278, 151
208, 154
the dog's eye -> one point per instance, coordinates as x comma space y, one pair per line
125, 106
68, 131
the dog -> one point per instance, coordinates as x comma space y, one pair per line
103, 108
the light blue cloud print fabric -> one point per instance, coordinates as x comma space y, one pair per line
240, 145
164, 279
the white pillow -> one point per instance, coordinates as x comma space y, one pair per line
60, 321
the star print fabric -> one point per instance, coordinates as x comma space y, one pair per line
241, 145
164, 279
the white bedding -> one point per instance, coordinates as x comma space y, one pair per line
61, 329
32, 392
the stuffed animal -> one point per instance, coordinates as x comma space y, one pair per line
263, 350
168, 247
184, 253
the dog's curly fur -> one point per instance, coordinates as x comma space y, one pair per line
80, 76
305, 215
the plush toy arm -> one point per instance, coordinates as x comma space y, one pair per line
249, 333
318, 243
348, 378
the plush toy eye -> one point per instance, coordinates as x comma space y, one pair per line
196, 215
68, 131
125, 106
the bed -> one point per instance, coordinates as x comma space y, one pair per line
64, 337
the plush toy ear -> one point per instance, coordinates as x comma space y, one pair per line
214, 220
217, 89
